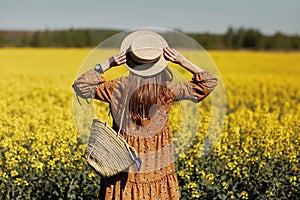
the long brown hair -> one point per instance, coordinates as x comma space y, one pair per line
144, 93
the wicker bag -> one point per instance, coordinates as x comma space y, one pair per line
108, 152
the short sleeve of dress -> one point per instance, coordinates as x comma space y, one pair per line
201, 85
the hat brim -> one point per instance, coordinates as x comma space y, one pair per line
143, 69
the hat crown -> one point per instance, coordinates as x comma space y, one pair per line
146, 49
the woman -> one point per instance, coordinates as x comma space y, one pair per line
147, 96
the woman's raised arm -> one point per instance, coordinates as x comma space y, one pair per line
201, 85
86, 84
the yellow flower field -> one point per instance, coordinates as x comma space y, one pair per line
256, 157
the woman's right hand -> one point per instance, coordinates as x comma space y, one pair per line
173, 56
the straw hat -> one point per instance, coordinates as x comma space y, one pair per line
144, 52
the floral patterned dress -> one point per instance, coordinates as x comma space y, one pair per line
152, 139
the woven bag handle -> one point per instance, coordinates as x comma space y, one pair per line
81, 105
122, 115
131, 150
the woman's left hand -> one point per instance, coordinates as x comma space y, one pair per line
117, 59
114, 61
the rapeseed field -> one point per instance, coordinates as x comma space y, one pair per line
256, 156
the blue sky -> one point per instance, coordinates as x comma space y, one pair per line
213, 16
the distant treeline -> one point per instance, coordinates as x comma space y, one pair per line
240, 38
